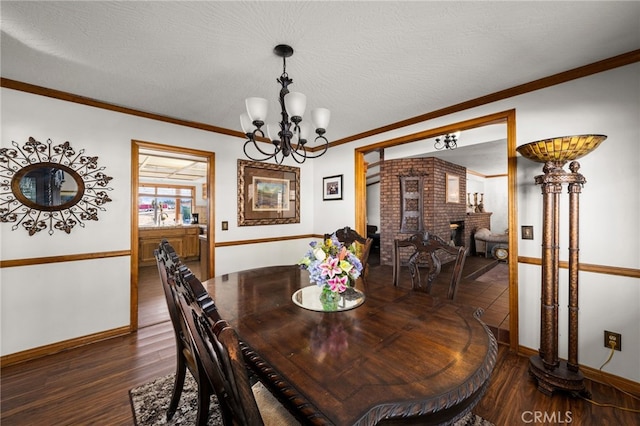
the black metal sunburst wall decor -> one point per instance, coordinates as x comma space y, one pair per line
48, 186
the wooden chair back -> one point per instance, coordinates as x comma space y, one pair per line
169, 266
220, 358
424, 242
348, 236
168, 262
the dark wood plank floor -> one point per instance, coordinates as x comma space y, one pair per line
89, 385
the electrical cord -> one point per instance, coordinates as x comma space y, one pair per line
600, 404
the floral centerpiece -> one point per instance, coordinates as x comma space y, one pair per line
332, 266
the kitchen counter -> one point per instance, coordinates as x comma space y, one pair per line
183, 238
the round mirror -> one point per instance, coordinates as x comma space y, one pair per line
48, 186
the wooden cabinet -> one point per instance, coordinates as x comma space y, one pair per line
184, 240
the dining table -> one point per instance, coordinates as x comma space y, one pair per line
394, 356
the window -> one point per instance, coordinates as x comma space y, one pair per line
164, 204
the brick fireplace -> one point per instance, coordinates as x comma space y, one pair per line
438, 215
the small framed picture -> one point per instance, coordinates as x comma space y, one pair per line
527, 232
332, 188
452, 188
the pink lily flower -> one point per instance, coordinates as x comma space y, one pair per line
330, 267
338, 284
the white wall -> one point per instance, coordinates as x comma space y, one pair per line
49, 303
474, 184
334, 214
373, 205
73, 299
496, 200
606, 103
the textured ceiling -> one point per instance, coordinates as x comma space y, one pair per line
153, 165
370, 63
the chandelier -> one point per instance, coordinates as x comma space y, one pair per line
450, 141
290, 134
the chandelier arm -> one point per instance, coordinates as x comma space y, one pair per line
281, 159
299, 153
266, 156
297, 156
251, 139
269, 155
326, 147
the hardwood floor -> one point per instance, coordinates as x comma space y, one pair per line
484, 284
513, 399
87, 385
90, 384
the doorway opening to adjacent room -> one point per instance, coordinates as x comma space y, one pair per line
506, 119
172, 198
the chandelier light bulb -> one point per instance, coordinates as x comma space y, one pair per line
305, 131
246, 123
295, 103
257, 109
320, 118
272, 132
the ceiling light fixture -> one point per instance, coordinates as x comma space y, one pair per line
291, 133
450, 141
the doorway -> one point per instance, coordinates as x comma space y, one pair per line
506, 117
171, 188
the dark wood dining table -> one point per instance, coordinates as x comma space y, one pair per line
402, 357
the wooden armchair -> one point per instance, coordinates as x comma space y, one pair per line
220, 364
423, 242
348, 236
168, 266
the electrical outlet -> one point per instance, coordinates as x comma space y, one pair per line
616, 338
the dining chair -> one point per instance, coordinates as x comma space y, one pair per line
429, 244
169, 264
348, 236
221, 364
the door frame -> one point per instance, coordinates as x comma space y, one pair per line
508, 117
135, 183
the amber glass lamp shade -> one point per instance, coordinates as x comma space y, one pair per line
561, 149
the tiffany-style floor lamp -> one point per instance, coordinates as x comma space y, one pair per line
546, 368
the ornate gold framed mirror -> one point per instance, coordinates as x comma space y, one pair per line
47, 186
